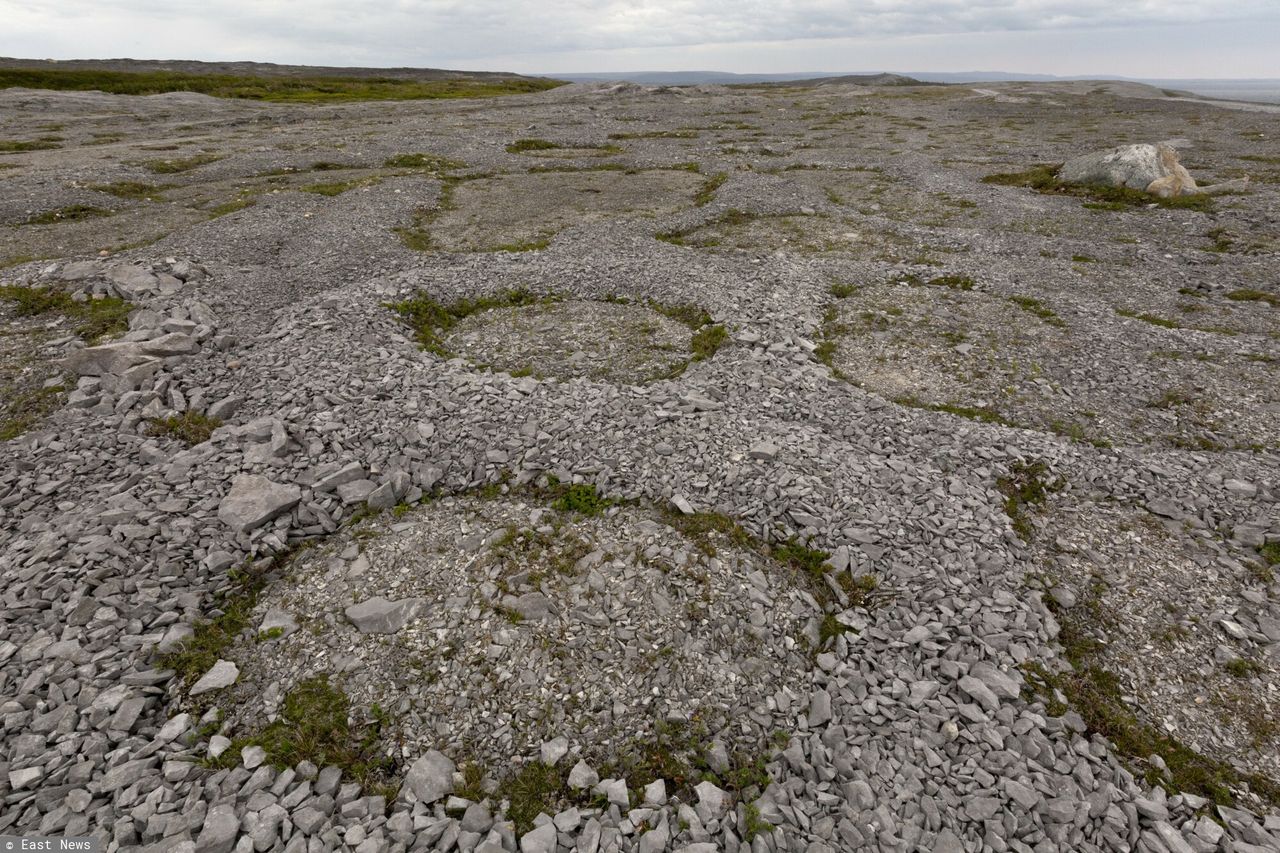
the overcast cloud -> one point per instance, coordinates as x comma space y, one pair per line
1223, 38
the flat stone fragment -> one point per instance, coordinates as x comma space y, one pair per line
379, 616
174, 343
221, 826
583, 776
222, 674
554, 750
430, 777
540, 840
819, 708
713, 802
255, 500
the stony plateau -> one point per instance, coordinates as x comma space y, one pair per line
623, 468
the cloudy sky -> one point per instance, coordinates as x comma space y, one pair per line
1141, 38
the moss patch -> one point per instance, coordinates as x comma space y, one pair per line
430, 319
427, 162
1099, 698
92, 319
72, 213
316, 724
1250, 295
181, 164
129, 189
1026, 486
190, 428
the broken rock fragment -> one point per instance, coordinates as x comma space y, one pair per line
255, 500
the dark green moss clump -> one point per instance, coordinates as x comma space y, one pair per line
579, 498
16, 146
429, 162
707, 341
316, 725
1034, 306
522, 145
1250, 295
1149, 318
190, 428
129, 189
73, 213
431, 320
973, 413
706, 528
707, 191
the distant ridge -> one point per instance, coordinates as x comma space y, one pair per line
252, 69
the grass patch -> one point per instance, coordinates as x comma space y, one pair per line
1243, 668
129, 189
1034, 306
307, 89
579, 498
191, 428
537, 788
707, 341
973, 413
339, 187
1099, 698
92, 319
181, 164
228, 207
17, 146
316, 725
522, 145
212, 638
704, 528
707, 192
812, 564
1271, 553
708, 336
1026, 486
73, 213
686, 133
842, 290
1251, 295
430, 319
1149, 318
429, 162
23, 408
1044, 179
731, 218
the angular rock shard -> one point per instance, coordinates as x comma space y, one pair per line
255, 500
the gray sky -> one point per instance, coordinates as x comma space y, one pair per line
1141, 38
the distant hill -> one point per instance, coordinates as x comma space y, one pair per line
262, 81
251, 69
1267, 90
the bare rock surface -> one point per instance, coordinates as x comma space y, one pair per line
959, 532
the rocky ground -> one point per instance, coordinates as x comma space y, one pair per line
637, 469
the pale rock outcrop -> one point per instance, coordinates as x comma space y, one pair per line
1151, 168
